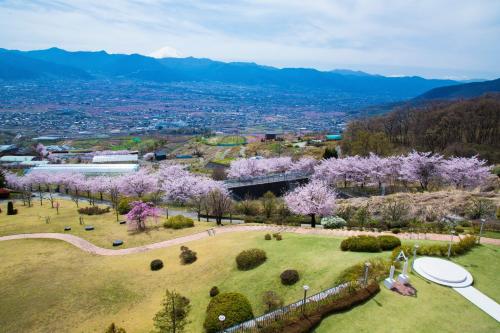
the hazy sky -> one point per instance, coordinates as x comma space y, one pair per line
435, 38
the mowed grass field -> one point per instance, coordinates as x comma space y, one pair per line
434, 309
107, 229
51, 286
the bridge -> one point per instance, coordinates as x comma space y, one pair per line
278, 183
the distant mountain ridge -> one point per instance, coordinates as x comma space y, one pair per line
55, 63
466, 90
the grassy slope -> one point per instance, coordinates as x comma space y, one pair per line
435, 309
32, 220
48, 285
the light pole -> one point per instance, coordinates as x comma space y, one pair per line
306, 288
367, 268
481, 231
451, 241
221, 319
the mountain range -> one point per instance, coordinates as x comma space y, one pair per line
55, 63
466, 90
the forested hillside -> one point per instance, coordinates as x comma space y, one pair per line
461, 128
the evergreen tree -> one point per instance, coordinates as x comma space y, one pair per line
172, 318
329, 153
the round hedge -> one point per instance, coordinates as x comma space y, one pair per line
289, 277
214, 291
267, 237
249, 259
388, 242
156, 265
360, 244
234, 306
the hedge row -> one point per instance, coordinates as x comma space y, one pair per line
370, 243
439, 250
304, 324
178, 222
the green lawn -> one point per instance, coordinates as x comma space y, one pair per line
435, 309
32, 220
48, 285
52, 286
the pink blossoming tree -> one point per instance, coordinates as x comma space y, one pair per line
140, 213
313, 199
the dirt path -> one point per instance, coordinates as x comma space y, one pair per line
93, 249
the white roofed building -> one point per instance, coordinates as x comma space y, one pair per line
88, 169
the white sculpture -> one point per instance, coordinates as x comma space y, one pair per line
403, 277
389, 282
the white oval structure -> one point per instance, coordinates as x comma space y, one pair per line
443, 272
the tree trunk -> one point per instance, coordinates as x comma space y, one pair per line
313, 220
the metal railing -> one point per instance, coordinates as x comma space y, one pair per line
271, 178
306, 305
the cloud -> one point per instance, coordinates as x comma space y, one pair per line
165, 52
425, 37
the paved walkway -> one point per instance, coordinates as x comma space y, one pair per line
93, 249
481, 301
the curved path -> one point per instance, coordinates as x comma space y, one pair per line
93, 249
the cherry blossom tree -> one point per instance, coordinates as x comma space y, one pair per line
314, 199
244, 168
113, 186
21, 184
423, 168
304, 165
253, 167
465, 172
139, 214
41, 150
139, 183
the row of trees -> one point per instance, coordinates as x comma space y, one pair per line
168, 184
253, 167
416, 167
423, 168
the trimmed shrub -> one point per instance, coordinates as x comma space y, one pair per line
439, 250
4, 193
187, 256
388, 242
279, 237
234, 306
214, 291
289, 277
10, 208
93, 210
459, 230
115, 329
395, 231
156, 265
333, 222
124, 206
360, 244
250, 259
178, 222
267, 237
378, 271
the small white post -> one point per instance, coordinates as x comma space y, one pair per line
481, 231
391, 274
